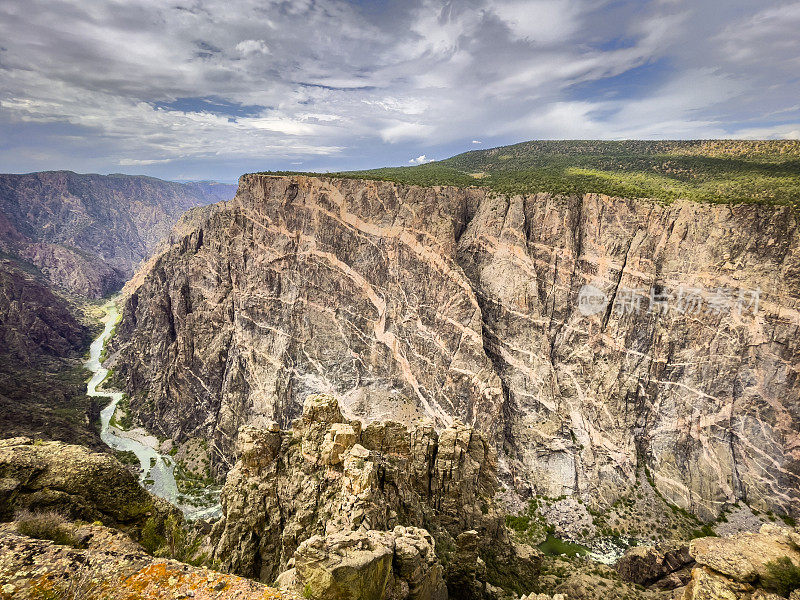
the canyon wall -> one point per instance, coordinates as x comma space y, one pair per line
589, 337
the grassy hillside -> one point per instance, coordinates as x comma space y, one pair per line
705, 171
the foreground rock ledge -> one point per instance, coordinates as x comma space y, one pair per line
76, 482
736, 568
111, 568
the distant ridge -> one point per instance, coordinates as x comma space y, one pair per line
86, 232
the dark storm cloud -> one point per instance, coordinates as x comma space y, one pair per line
209, 88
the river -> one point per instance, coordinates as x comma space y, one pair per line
156, 470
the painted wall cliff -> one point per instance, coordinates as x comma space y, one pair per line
589, 337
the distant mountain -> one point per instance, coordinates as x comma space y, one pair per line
213, 189
88, 233
766, 172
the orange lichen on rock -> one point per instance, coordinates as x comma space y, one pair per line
169, 580
111, 568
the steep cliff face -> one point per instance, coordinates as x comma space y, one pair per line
35, 322
42, 386
445, 302
87, 233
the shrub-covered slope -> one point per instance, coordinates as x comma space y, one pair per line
705, 170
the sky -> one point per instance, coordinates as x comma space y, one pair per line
210, 89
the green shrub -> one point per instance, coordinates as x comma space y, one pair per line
782, 576
705, 531
518, 523
127, 457
152, 537
165, 538
790, 521
47, 525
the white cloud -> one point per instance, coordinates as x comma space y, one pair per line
771, 32
540, 21
247, 47
777, 132
477, 142
129, 162
400, 131
420, 160
286, 126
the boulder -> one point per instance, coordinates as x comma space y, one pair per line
257, 447
340, 438
345, 566
368, 565
706, 584
647, 564
736, 567
74, 481
743, 557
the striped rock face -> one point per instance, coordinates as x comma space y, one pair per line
589, 337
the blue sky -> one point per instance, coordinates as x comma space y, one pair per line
202, 89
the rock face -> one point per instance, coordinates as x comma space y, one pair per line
34, 322
87, 233
739, 567
456, 303
371, 565
74, 481
666, 564
42, 387
111, 567
382, 506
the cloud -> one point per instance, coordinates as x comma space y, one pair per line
225, 86
402, 130
129, 162
252, 47
539, 21
777, 132
477, 142
420, 160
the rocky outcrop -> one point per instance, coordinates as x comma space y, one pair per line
667, 565
327, 496
110, 567
78, 483
743, 566
461, 304
370, 565
87, 233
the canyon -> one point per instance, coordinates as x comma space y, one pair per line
67, 240
448, 304
409, 392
